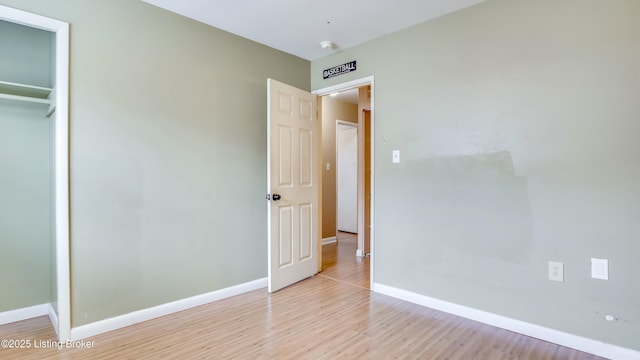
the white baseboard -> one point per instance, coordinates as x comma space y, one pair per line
10, 316
359, 253
53, 317
329, 240
540, 332
135, 317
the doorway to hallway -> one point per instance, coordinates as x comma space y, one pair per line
363, 241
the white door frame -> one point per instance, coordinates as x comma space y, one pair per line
369, 80
356, 126
61, 322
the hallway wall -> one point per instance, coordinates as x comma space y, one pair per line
331, 110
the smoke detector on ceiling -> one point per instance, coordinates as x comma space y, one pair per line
327, 44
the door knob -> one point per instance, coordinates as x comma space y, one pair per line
276, 197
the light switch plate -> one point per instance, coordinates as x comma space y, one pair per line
396, 156
600, 269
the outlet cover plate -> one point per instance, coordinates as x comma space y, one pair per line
556, 271
600, 269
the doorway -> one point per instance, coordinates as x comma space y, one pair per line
286, 145
55, 98
365, 199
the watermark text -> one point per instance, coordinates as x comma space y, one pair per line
45, 344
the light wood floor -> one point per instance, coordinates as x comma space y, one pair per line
330, 316
340, 263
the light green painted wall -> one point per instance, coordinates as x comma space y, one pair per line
25, 54
518, 126
168, 154
25, 211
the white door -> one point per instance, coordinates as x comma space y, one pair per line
293, 144
347, 178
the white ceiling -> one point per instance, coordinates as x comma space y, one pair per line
350, 96
298, 26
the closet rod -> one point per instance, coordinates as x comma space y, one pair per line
24, 98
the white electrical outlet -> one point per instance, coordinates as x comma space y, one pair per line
556, 271
600, 269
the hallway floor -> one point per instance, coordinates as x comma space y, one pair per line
339, 261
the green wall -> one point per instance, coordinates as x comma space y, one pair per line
168, 154
517, 122
25, 231
25, 55
25, 174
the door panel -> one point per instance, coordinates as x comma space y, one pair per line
293, 174
306, 160
285, 154
306, 228
306, 109
285, 236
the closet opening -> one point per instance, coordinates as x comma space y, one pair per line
34, 184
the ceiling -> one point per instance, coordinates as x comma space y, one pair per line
298, 26
350, 96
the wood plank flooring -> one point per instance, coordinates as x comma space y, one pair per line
340, 263
330, 316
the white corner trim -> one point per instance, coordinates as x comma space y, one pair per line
53, 317
135, 317
540, 332
30, 312
329, 240
359, 253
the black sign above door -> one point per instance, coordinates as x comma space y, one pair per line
339, 70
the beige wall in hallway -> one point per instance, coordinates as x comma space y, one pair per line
364, 115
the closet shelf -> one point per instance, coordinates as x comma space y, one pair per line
28, 93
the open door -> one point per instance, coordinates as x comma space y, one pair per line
293, 144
